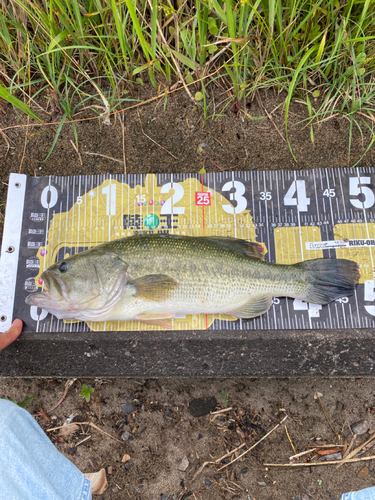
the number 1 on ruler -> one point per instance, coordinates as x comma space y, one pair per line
111, 199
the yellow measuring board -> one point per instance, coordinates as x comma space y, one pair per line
98, 216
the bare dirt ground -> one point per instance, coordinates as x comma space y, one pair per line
166, 445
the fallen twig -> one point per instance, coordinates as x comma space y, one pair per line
24, 148
268, 115
152, 140
230, 453
82, 441
290, 440
121, 117
354, 437
318, 397
84, 423
302, 453
221, 411
254, 445
104, 156
78, 153
200, 470
355, 451
68, 385
313, 464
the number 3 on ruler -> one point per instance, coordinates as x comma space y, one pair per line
239, 190
300, 201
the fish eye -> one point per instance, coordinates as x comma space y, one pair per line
64, 266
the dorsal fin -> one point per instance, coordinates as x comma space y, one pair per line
247, 248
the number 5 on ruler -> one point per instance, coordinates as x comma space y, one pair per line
370, 296
300, 201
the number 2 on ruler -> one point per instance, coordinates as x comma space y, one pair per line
300, 201
169, 206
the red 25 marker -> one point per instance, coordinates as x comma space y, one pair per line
202, 198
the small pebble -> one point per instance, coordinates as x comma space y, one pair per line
202, 406
115, 490
305, 496
125, 435
200, 436
183, 465
332, 456
363, 472
110, 469
262, 483
360, 427
208, 482
168, 412
127, 407
240, 412
244, 470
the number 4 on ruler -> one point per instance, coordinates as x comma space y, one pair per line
300, 201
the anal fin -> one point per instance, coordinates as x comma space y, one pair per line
254, 307
156, 320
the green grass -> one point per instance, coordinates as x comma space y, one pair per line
321, 53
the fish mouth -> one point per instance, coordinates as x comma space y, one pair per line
56, 291
56, 286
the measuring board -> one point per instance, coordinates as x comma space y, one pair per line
296, 215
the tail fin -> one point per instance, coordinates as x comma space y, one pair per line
329, 279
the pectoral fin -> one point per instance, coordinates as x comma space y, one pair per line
254, 307
157, 287
156, 319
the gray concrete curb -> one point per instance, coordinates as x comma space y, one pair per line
192, 354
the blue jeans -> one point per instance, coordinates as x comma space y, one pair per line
31, 468
367, 494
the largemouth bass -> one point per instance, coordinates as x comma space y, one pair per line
151, 278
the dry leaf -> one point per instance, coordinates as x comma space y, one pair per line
68, 430
328, 451
98, 481
44, 414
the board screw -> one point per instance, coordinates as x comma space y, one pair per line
17, 184
10, 249
3, 318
